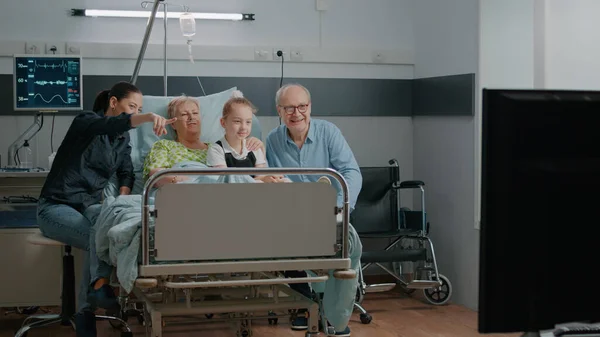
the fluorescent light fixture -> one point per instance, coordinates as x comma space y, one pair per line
170, 15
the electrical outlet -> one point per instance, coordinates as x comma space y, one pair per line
278, 58
261, 54
55, 47
73, 49
321, 5
296, 54
32, 48
378, 57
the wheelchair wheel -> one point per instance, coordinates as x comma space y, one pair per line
365, 318
440, 295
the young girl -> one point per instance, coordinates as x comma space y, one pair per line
231, 150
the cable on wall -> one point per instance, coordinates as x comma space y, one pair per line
280, 54
52, 134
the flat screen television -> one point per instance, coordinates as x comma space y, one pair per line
540, 210
47, 83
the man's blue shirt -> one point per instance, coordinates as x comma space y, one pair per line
325, 147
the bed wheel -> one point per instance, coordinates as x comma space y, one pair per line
273, 321
440, 295
365, 318
140, 319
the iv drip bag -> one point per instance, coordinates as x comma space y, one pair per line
187, 23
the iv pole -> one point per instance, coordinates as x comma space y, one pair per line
149, 26
37, 123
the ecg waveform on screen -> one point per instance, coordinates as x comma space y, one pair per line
48, 83
62, 65
52, 98
59, 82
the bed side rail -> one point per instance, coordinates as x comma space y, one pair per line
245, 221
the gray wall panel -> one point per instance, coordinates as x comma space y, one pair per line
445, 95
452, 95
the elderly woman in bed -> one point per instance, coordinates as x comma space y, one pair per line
186, 146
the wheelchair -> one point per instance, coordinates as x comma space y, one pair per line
378, 215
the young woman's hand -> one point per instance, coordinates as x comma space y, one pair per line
159, 122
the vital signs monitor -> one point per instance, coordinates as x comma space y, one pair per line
47, 83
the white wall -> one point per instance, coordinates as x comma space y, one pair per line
572, 50
511, 55
446, 43
351, 24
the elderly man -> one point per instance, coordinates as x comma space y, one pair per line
305, 142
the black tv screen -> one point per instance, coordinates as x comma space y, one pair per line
540, 210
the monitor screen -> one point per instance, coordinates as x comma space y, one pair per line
539, 210
47, 83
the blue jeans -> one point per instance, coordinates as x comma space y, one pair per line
63, 223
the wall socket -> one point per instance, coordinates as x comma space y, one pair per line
277, 58
262, 54
73, 49
33, 48
321, 5
295, 54
58, 47
378, 57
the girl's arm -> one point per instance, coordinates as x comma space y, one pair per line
261, 162
215, 156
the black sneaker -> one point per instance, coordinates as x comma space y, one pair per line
343, 333
103, 298
300, 323
85, 324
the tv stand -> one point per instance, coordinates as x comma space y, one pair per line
531, 334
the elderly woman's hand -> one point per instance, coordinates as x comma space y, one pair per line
253, 144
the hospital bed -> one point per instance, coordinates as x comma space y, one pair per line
239, 251
218, 251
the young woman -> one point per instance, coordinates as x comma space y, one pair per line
95, 147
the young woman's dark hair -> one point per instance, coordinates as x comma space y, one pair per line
120, 90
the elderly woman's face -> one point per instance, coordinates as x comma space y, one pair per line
188, 119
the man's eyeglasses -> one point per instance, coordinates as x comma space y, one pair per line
290, 109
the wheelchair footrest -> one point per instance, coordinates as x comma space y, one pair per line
423, 284
400, 255
379, 288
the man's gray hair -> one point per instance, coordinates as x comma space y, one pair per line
282, 90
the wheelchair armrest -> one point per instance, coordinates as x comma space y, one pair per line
410, 184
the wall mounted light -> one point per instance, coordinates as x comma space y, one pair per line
170, 15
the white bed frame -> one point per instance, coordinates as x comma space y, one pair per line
249, 234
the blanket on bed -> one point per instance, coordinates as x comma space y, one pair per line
118, 227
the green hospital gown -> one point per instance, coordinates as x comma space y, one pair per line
166, 153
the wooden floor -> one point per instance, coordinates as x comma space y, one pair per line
394, 314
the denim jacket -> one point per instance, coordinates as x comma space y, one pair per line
93, 150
